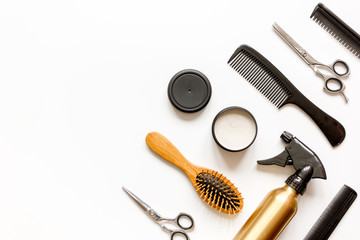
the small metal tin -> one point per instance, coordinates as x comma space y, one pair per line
234, 129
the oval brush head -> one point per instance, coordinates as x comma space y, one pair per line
214, 188
219, 192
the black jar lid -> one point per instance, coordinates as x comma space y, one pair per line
189, 90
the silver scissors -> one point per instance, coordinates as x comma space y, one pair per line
338, 69
162, 221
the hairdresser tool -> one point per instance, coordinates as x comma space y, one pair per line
280, 205
234, 129
277, 209
337, 28
265, 77
332, 215
297, 154
189, 90
329, 80
178, 221
214, 188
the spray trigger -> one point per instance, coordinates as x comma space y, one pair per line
297, 154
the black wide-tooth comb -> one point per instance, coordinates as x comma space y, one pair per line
266, 78
337, 28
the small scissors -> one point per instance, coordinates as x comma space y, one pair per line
332, 83
160, 220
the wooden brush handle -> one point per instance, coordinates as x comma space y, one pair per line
162, 146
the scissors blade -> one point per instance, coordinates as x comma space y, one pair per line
294, 45
142, 204
151, 212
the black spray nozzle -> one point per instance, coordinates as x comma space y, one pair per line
299, 180
297, 154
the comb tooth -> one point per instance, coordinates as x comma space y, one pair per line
260, 77
240, 64
247, 68
279, 97
256, 71
244, 66
276, 92
332, 24
275, 96
257, 78
281, 85
250, 59
279, 100
269, 89
250, 70
237, 61
260, 81
234, 62
231, 62
252, 64
282, 96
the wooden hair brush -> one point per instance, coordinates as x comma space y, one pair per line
213, 188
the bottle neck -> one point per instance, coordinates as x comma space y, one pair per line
291, 191
299, 180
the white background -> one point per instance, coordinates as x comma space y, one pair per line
83, 82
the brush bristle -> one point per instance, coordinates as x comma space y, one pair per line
219, 192
260, 76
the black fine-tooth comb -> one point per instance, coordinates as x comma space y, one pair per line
337, 28
266, 78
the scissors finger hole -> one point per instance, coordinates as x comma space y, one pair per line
340, 68
179, 236
185, 221
334, 85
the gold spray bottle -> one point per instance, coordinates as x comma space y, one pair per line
277, 209
280, 205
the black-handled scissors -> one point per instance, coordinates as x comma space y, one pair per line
178, 221
338, 69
